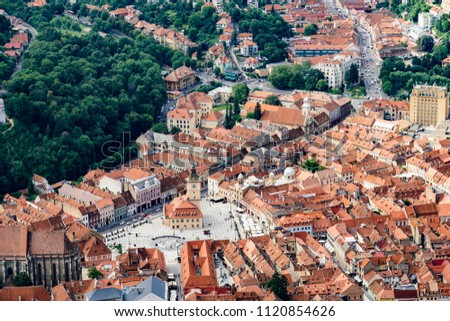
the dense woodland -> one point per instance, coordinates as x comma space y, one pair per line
74, 94
412, 8
7, 63
78, 91
199, 24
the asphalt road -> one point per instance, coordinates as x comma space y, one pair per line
370, 65
369, 70
129, 220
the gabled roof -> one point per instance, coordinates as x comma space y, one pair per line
13, 241
151, 285
179, 73
24, 293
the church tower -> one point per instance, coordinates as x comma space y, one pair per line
306, 112
193, 188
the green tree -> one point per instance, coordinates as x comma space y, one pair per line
416, 7
352, 75
5, 25
229, 120
93, 273
217, 72
257, 113
272, 100
160, 128
313, 78
440, 52
426, 43
312, 165
278, 284
118, 248
30, 188
443, 24
322, 85
311, 29
388, 88
240, 92
64, 105
294, 76
175, 130
236, 108
22, 279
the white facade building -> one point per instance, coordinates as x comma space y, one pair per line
426, 20
334, 69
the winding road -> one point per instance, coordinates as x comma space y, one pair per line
3, 91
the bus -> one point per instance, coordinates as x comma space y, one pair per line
232, 75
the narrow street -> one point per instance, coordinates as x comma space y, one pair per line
18, 68
236, 62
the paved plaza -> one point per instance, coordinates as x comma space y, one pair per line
151, 232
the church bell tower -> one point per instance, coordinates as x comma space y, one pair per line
194, 187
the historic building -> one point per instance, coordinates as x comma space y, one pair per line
179, 79
184, 212
47, 256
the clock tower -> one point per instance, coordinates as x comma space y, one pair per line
193, 188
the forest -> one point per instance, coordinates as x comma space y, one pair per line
7, 63
74, 94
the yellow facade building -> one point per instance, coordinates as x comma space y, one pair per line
428, 105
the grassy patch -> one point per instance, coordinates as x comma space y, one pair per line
357, 91
220, 107
69, 26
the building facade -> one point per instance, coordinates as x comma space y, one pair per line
48, 257
426, 20
428, 105
179, 79
146, 192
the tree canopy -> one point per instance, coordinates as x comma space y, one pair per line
311, 29
398, 79
93, 273
73, 94
240, 92
7, 63
312, 165
443, 23
257, 113
268, 32
426, 43
412, 8
352, 75
297, 77
160, 128
22, 279
278, 284
272, 100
